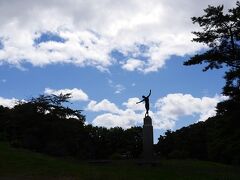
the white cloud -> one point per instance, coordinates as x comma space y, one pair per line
133, 64
131, 104
173, 106
104, 105
92, 30
165, 113
8, 102
125, 120
114, 116
76, 94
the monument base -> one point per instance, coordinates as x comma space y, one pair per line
147, 139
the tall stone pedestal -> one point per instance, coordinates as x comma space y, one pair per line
147, 139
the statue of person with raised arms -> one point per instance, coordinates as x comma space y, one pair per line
146, 100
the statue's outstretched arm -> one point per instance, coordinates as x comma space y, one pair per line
140, 101
149, 93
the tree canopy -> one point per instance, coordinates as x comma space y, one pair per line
44, 124
221, 33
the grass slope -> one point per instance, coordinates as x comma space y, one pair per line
23, 164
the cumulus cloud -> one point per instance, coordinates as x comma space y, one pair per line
173, 106
76, 94
131, 104
133, 64
104, 105
125, 120
165, 113
92, 30
113, 116
8, 102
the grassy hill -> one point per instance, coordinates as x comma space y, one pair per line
23, 164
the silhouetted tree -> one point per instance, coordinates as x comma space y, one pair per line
4, 111
43, 124
216, 139
53, 105
105, 143
134, 141
221, 33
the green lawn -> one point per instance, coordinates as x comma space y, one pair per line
23, 164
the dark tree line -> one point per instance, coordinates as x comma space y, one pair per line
44, 125
217, 139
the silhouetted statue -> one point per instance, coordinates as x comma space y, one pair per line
146, 100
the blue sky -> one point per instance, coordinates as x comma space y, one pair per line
109, 62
